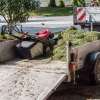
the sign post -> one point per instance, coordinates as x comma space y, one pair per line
91, 23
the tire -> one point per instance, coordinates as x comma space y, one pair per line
97, 70
90, 73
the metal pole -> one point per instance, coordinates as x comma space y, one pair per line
67, 59
91, 26
91, 23
68, 56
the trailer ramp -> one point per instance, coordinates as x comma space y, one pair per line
30, 80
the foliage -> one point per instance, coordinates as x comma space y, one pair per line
77, 37
79, 3
62, 4
15, 11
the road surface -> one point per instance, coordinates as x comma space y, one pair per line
54, 18
55, 24
44, 18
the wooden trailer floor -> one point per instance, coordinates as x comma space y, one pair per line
71, 92
30, 80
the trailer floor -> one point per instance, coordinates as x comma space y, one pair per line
66, 91
30, 80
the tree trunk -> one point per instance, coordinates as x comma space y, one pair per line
98, 2
52, 3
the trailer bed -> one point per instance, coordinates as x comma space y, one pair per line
30, 80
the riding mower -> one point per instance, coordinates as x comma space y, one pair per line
31, 46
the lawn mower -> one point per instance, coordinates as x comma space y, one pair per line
31, 46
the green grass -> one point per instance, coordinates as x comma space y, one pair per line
52, 12
6, 37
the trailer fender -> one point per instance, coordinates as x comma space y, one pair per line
90, 61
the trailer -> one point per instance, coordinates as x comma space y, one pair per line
31, 79
38, 79
84, 63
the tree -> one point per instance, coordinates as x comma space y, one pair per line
15, 11
79, 3
52, 3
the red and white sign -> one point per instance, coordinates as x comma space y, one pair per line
81, 14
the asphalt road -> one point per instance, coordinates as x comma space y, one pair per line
44, 18
51, 18
35, 24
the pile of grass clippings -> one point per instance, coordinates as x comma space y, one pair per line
77, 37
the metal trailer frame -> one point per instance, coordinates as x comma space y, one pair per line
45, 94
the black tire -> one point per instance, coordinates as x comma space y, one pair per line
90, 73
97, 70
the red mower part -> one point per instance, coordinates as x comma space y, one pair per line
44, 34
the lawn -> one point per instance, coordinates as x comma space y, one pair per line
53, 12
